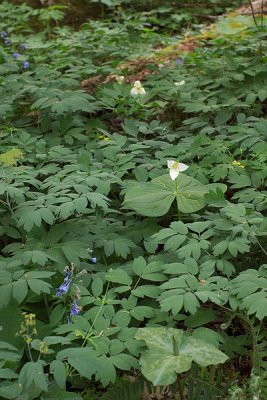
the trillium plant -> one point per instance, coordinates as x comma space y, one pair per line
175, 167
180, 83
137, 89
119, 78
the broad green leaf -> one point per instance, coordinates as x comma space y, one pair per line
154, 199
171, 352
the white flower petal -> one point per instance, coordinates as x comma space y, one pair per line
173, 174
137, 84
134, 91
119, 78
182, 167
179, 83
142, 91
175, 167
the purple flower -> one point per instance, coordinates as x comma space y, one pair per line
23, 46
93, 260
64, 287
8, 42
3, 34
16, 55
75, 309
179, 61
25, 64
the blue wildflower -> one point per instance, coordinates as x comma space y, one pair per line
3, 34
75, 309
64, 287
23, 46
25, 64
179, 61
8, 42
16, 55
93, 260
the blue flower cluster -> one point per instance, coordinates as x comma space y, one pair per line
75, 309
8, 42
63, 289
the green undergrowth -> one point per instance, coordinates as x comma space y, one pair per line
118, 282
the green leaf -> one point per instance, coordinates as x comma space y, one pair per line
201, 317
11, 325
223, 116
29, 219
118, 276
191, 303
142, 312
97, 286
171, 352
139, 265
58, 369
33, 373
122, 318
154, 199
38, 286
7, 373
5, 294
11, 391
47, 215
124, 361
20, 290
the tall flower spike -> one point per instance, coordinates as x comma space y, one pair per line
175, 167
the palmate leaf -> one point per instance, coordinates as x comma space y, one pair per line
154, 199
171, 352
33, 373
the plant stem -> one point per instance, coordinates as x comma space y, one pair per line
256, 23
180, 389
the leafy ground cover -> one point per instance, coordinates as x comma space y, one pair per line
133, 203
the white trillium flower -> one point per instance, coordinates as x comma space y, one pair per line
175, 168
180, 83
119, 78
137, 89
